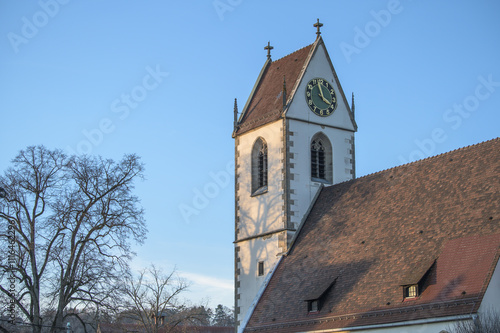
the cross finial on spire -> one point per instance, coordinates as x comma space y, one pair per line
318, 25
268, 48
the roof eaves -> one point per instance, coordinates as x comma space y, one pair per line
412, 312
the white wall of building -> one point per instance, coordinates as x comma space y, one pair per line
261, 213
408, 327
303, 189
491, 299
251, 252
258, 214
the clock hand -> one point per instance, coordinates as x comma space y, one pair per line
324, 99
320, 91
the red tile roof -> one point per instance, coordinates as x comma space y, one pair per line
266, 103
439, 216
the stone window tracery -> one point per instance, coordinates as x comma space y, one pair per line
321, 159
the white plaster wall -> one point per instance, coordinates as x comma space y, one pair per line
261, 213
258, 214
303, 188
251, 252
491, 299
320, 67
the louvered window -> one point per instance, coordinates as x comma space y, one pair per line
321, 159
317, 159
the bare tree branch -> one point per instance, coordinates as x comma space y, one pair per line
152, 299
74, 218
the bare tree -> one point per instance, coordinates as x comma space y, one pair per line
485, 322
74, 218
153, 301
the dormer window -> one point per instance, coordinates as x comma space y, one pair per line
317, 295
417, 281
313, 306
411, 291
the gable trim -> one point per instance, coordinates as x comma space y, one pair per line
312, 52
254, 89
351, 113
296, 84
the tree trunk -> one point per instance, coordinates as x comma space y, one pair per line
57, 324
37, 320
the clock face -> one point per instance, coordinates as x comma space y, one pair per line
320, 96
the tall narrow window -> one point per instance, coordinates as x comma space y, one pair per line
317, 159
261, 268
259, 167
321, 159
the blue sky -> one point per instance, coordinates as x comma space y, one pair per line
159, 78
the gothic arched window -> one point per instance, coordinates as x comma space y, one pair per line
321, 159
259, 167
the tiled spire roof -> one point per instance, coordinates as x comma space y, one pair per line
265, 104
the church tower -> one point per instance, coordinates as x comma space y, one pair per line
294, 135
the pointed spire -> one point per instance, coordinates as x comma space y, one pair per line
284, 92
268, 48
235, 123
352, 106
318, 25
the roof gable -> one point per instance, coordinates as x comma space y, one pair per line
319, 65
375, 233
265, 103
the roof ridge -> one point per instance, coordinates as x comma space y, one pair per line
425, 159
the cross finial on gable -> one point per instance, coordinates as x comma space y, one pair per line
318, 25
235, 123
352, 107
268, 48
